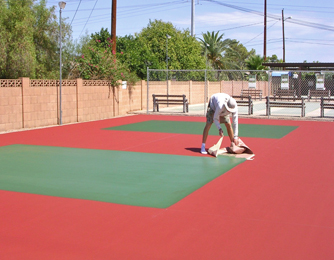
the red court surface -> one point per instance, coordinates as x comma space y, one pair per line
279, 206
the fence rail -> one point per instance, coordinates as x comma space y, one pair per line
27, 103
199, 85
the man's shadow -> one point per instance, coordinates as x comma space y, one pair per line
193, 149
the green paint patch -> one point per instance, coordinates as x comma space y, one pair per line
179, 127
130, 178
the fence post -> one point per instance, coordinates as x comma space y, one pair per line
205, 91
142, 83
148, 88
269, 89
190, 91
25, 86
78, 88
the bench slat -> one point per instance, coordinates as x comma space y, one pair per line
245, 103
326, 103
170, 100
251, 92
271, 102
285, 93
318, 93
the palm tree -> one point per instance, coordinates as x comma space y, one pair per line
213, 46
254, 62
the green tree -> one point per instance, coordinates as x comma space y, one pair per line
213, 46
254, 62
46, 41
98, 61
30, 41
3, 38
273, 58
136, 55
20, 50
236, 54
148, 49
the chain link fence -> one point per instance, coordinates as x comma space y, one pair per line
283, 88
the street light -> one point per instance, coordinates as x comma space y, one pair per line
62, 6
283, 32
167, 37
206, 54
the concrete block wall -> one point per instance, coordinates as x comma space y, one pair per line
39, 103
26, 103
10, 107
132, 98
95, 100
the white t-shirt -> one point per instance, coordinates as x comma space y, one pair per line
217, 103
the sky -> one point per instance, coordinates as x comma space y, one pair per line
308, 25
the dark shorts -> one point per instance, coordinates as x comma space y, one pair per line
209, 116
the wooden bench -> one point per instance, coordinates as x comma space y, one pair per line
254, 93
285, 93
326, 103
318, 93
170, 100
245, 103
284, 102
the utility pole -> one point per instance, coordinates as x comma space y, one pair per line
265, 32
167, 37
283, 34
113, 24
192, 17
61, 6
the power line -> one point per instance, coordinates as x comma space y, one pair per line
260, 33
241, 26
314, 43
75, 12
295, 21
144, 9
101, 18
88, 18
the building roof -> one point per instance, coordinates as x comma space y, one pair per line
301, 66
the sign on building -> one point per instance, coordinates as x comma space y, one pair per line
320, 81
285, 81
252, 81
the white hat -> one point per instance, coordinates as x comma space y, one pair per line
231, 105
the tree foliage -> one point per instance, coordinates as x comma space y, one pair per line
149, 49
237, 53
213, 47
98, 61
29, 47
3, 38
224, 54
29, 39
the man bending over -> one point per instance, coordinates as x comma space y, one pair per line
220, 107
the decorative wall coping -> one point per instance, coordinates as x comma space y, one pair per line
8, 83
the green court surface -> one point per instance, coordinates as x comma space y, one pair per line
179, 127
131, 178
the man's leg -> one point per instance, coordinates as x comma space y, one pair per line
209, 121
226, 120
206, 132
229, 130
205, 136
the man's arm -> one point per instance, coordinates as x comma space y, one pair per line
235, 124
216, 118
